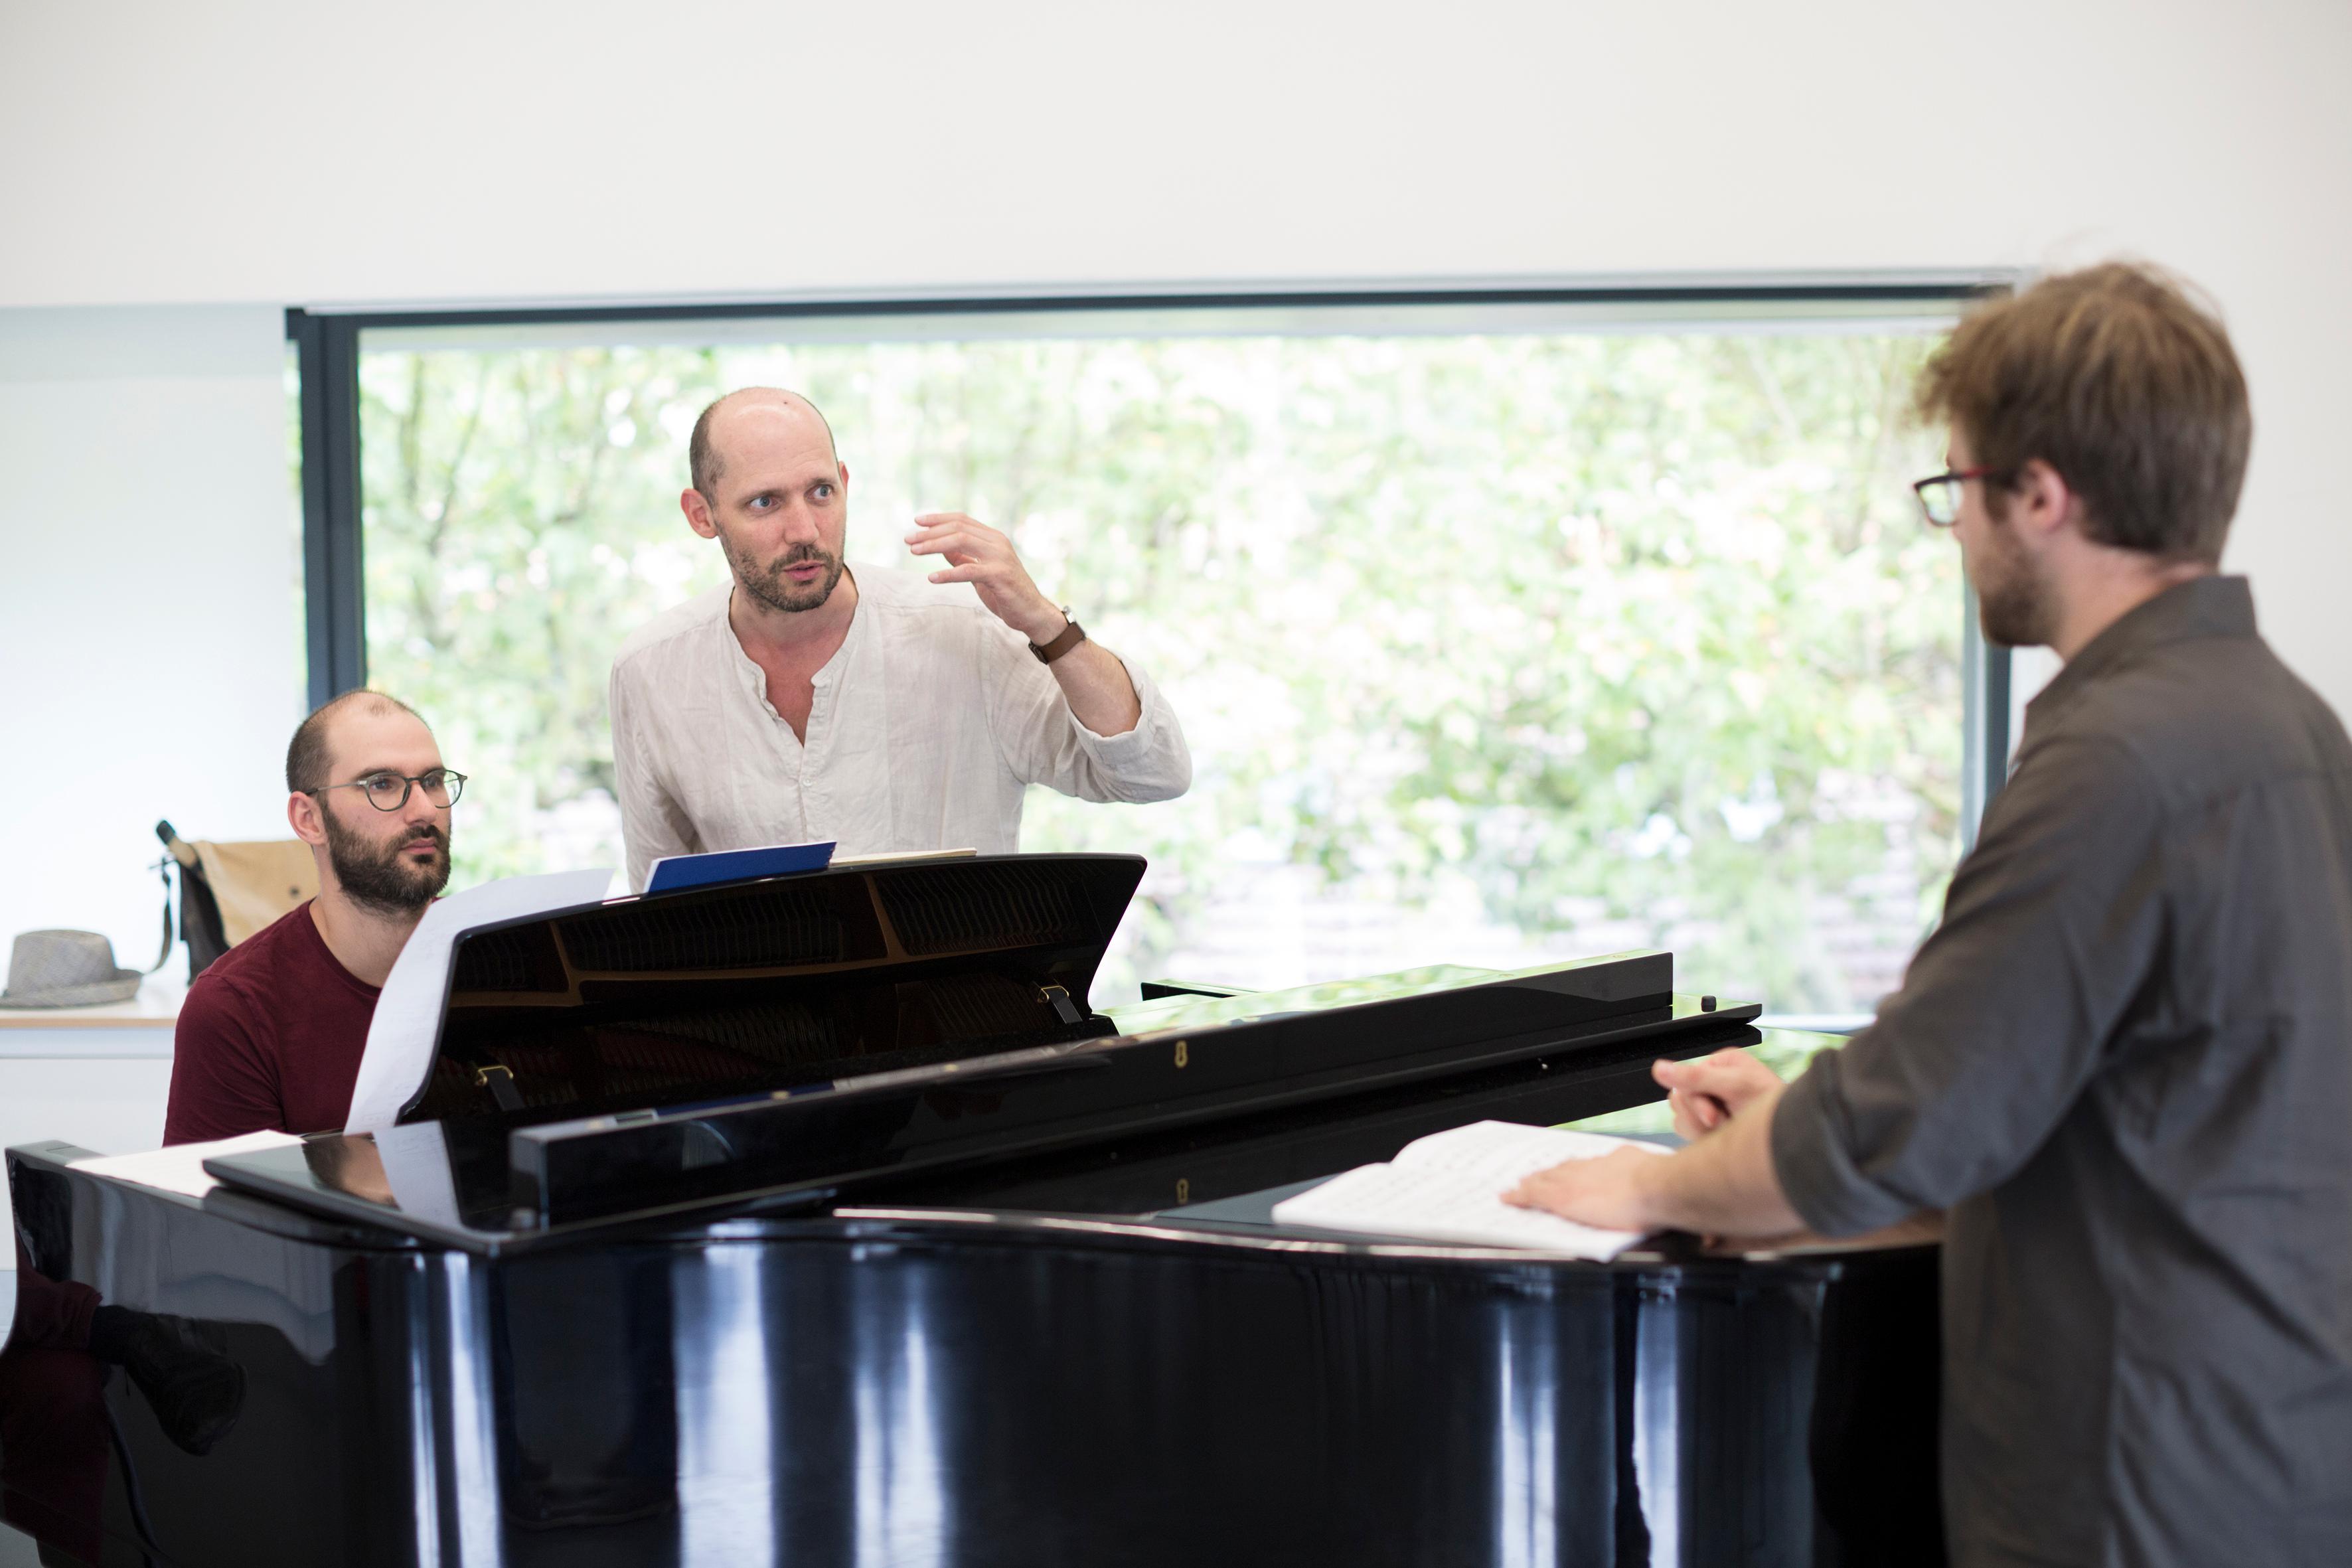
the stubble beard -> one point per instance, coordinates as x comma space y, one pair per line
770, 586
382, 881
2013, 600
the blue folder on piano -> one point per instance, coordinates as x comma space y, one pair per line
672, 872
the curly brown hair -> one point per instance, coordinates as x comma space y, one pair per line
2118, 379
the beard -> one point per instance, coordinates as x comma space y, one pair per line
378, 878
2013, 601
769, 585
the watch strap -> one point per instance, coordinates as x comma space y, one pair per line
1070, 636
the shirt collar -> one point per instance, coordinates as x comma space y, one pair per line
2207, 606
851, 640
731, 648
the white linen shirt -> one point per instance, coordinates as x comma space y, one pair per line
929, 722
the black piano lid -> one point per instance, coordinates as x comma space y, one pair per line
483, 1185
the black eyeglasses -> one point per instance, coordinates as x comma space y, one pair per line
388, 791
1939, 494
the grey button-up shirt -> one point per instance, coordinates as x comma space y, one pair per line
2124, 1063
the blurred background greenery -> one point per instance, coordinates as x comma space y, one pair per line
1490, 648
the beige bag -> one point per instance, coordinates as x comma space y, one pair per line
228, 892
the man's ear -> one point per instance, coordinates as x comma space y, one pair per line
845, 476
2040, 502
697, 507
304, 816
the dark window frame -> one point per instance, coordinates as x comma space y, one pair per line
327, 344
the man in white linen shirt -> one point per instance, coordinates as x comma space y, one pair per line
805, 701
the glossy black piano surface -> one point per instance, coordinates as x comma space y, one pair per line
934, 1267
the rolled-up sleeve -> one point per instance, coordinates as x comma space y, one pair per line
1042, 741
2050, 929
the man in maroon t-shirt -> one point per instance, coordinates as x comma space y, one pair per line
271, 1034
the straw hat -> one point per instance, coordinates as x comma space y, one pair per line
65, 969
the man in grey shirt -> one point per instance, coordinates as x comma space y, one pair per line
2123, 1063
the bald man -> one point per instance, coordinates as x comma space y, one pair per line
271, 1034
805, 700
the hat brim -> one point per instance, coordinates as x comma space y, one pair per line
97, 994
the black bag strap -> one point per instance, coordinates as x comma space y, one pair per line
164, 831
164, 954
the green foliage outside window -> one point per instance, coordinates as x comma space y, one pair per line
1635, 635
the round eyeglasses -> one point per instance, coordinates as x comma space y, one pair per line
388, 791
1939, 494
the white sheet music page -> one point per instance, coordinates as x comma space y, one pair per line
407, 1019
180, 1168
1449, 1187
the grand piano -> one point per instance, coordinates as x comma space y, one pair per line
823, 1220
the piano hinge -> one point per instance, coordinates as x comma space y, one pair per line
1064, 1008
498, 1079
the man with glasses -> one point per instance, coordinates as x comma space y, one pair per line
2122, 1065
272, 1033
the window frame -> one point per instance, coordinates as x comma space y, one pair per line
327, 340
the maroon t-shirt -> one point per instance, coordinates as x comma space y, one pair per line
269, 1039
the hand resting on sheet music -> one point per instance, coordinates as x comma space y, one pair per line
1722, 1184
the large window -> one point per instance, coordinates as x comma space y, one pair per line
1498, 634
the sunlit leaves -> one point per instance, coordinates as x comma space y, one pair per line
1635, 632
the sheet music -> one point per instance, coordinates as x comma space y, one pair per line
180, 1168
1449, 1187
893, 856
417, 1168
675, 873
408, 1013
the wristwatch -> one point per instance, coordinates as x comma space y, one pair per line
1068, 638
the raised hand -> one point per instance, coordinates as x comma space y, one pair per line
1706, 1092
983, 557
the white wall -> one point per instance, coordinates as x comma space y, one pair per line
149, 661
273, 154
